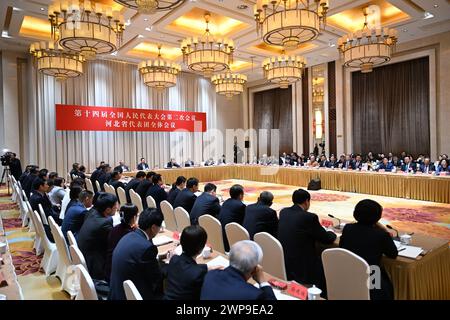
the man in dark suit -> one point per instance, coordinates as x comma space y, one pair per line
40, 197
323, 163
186, 198
115, 180
348, 163
179, 185
75, 170
122, 167
133, 184
74, 216
206, 203
298, 232
143, 187
332, 163
231, 283
135, 259
95, 175
15, 166
427, 166
104, 176
93, 236
143, 165
172, 164
184, 275
27, 184
259, 217
357, 165
156, 191
386, 165
189, 163
408, 166
233, 210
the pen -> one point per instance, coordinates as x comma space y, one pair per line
404, 248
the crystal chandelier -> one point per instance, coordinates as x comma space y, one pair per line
289, 23
284, 70
55, 62
86, 26
367, 47
229, 84
207, 54
158, 73
150, 6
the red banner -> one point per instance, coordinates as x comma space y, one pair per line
86, 118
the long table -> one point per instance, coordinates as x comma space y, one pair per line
399, 185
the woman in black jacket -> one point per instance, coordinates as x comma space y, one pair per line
370, 240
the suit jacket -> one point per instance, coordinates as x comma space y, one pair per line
412, 167
298, 232
73, 219
189, 164
173, 193
121, 169
143, 166
185, 199
184, 278
430, 167
16, 168
158, 193
348, 164
94, 177
324, 164
93, 242
232, 211
371, 243
103, 178
27, 184
172, 165
332, 164
142, 189
135, 259
260, 218
116, 183
357, 165
230, 284
117, 233
205, 204
387, 167
133, 184
43, 199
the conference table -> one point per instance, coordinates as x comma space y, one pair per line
427, 187
9, 285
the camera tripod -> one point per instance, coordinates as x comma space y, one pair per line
6, 173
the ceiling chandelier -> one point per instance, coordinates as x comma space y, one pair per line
55, 62
150, 6
367, 47
289, 23
158, 73
284, 70
207, 54
229, 84
86, 26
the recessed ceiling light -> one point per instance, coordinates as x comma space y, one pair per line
428, 15
17, 9
242, 6
149, 28
128, 22
436, 6
42, 9
145, 19
114, 53
405, 30
140, 36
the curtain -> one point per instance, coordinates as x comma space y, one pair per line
116, 84
391, 111
273, 110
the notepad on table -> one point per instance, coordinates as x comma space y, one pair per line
408, 251
161, 240
218, 261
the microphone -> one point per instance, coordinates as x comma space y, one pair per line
392, 228
339, 220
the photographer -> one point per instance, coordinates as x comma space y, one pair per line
9, 160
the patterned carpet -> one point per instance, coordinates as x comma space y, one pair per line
35, 285
409, 215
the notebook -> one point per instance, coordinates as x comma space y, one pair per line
218, 261
161, 240
408, 251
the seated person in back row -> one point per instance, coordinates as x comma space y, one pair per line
233, 210
143, 165
156, 191
115, 180
74, 216
179, 185
427, 166
121, 167
385, 165
172, 164
408, 165
189, 163
231, 283
186, 197
133, 184
143, 187
206, 203
259, 217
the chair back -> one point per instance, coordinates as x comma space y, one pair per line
42, 213
40, 230
136, 200
61, 245
214, 230
181, 218
346, 274
169, 216
235, 233
131, 292
71, 238
97, 185
273, 255
77, 256
109, 189
122, 196
87, 287
89, 185
151, 203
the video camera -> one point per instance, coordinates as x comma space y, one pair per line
6, 158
